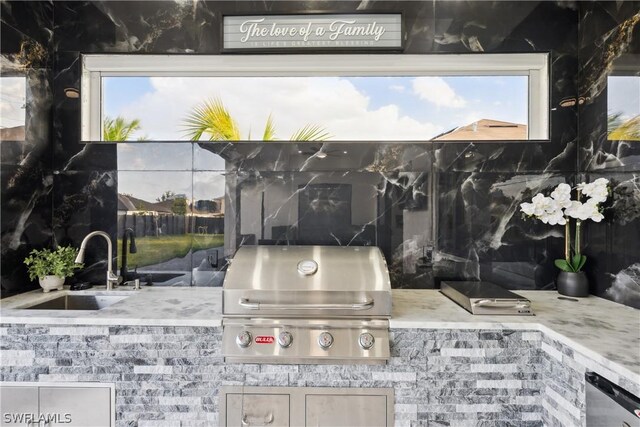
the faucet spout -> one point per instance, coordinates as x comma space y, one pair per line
112, 279
124, 269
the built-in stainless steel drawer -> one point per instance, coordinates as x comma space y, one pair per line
248, 409
610, 405
346, 410
306, 406
56, 404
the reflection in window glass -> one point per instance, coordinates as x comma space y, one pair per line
12, 108
623, 108
371, 108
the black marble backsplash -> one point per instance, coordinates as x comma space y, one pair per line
437, 210
610, 32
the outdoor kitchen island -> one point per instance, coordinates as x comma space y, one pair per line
161, 348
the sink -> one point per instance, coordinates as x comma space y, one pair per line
78, 302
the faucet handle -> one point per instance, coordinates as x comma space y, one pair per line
112, 280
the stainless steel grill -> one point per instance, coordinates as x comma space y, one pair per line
306, 304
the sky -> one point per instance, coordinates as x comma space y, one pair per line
349, 108
623, 96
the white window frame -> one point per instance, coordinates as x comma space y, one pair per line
533, 65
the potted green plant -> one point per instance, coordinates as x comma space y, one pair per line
52, 267
559, 209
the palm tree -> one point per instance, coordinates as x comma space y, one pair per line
120, 129
212, 118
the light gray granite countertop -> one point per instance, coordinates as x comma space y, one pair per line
153, 306
601, 330
606, 332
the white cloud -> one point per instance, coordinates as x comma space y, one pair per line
331, 102
12, 101
397, 88
436, 91
208, 185
473, 116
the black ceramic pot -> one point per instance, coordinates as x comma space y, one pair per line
573, 284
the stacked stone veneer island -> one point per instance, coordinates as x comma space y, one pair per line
170, 376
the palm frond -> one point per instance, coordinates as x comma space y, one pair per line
621, 130
212, 119
310, 133
119, 129
269, 130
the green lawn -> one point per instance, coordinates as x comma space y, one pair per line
154, 250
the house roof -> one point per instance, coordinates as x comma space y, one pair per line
486, 130
130, 203
15, 133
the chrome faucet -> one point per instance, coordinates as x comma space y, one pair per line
112, 279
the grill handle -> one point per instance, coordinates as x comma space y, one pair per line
245, 303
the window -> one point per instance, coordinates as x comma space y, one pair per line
329, 97
12, 108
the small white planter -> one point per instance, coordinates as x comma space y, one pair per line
48, 283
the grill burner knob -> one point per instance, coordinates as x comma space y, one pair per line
244, 339
285, 339
325, 339
366, 340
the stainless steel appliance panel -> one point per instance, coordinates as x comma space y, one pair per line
278, 268
249, 409
307, 281
346, 410
305, 406
306, 304
87, 407
486, 298
609, 405
15, 402
304, 346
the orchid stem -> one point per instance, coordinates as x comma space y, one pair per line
567, 241
577, 242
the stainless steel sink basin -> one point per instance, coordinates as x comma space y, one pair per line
78, 302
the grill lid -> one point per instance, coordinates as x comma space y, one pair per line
306, 280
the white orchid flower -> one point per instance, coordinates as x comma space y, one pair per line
597, 190
562, 195
527, 208
575, 210
555, 218
592, 210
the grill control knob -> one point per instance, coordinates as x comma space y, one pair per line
285, 339
325, 339
244, 339
366, 340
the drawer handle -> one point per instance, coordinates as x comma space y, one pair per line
268, 420
507, 303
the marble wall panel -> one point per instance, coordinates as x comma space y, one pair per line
609, 36
25, 166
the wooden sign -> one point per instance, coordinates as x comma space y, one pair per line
357, 31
